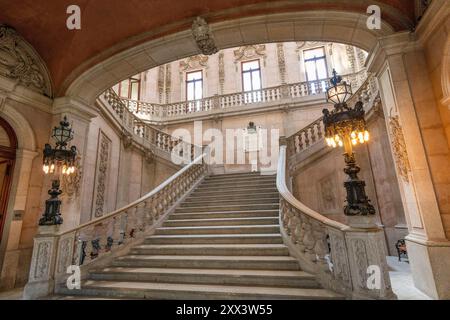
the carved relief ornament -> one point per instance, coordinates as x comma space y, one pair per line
399, 148
19, 61
203, 36
250, 52
195, 62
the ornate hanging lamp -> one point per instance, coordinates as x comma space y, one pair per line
345, 127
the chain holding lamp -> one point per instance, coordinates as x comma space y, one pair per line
346, 127
58, 160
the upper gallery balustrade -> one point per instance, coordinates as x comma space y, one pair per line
267, 96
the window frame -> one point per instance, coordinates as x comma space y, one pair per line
130, 81
193, 81
250, 71
324, 57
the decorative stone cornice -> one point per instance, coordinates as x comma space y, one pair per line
19, 61
203, 36
74, 107
397, 43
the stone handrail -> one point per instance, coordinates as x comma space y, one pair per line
148, 135
54, 251
160, 112
315, 131
339, 255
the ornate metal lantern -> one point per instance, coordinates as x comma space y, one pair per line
60, 159
346, 127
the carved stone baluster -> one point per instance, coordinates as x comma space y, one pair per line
300, 141
307, 137
320, 130
313, 134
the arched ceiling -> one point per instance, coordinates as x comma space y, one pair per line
111, 26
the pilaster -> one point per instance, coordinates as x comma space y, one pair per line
414, 124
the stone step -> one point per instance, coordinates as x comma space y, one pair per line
213, 250
208, 262
224, 214
234, 191
227, 196
216, 239
221, 222
239, 229
232, 185
244, 174
239, 179
214, 203
277, 278
155, 290
218, 207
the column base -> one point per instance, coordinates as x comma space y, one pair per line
38, 289
430, 262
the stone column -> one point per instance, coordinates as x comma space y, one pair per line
79, 115
421, 158
41, 281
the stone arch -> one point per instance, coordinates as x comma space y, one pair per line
332, 26
26, 138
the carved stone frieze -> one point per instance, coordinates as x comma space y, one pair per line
281, 62
221, 72
399, 148
168, 83
203, 36
161, 83
102, 170
19, 61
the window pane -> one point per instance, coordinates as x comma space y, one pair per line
313, 53
321, 69
311, 70
198, 90
250, 65
247, 81
190, 91
197, 75
134, 90
256, 80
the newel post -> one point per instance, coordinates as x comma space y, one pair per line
41, 281
367, 259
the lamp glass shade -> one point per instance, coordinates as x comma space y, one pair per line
339, 93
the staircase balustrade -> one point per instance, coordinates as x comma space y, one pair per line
340, 255
145, 134
54, 251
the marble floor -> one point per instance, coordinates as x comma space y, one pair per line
402, 282
400, 274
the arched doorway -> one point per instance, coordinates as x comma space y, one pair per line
8, 146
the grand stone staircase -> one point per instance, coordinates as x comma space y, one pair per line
222, 242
